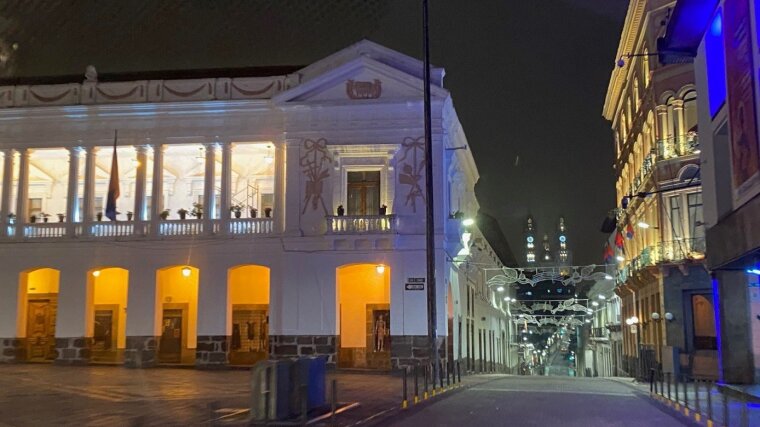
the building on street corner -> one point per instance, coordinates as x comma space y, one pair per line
659, 245
238, 215
721, 40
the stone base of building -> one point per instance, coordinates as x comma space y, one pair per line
12, 350
212, 351
141, 352
285, 346
73, 351
413, 350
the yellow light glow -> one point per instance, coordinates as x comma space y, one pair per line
186, 271
96, 273
380, 268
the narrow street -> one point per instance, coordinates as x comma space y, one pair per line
544, 401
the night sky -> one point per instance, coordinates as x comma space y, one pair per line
528, 77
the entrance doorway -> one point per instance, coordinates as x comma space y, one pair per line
176, 314
108, 313
364, 316
39, 304
248, 288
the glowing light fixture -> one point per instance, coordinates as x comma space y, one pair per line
500, 289
620, 258
507, 299
602, 297
186, 271
468, 222
96, 273
608, 277
380, 268
269, 159
642, 224
595, 304
755, 271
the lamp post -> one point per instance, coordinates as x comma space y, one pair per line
429, 224
657, 319
633, 322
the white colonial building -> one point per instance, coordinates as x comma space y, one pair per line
304, 231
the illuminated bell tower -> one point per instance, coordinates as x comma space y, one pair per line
546, 256
562, 254
530, 241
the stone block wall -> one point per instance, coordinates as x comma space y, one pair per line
73, 350
212, 352
141, 352
12, 350
411, 350
285, 346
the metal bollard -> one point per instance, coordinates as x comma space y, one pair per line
415, 370
675, 385
668, 375
334, 402
685, 391
662, 383
405, 397
651, 381
440, 373
459, 372
697, 406
425, 374
709, 400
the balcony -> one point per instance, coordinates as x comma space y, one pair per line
682, 145
673, 251
361, 224
139, 229
599, 333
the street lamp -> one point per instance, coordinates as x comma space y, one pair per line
468, 222
633, 322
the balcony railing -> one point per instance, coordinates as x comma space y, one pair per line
599, 332
358, 224
664, 252
682, 145
44, 230
117, 229
251, 226
183, 227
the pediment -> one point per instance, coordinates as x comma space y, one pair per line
361, 79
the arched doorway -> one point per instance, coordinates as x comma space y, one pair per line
107, 318
177, 314
364, 316
38, 308
248, 313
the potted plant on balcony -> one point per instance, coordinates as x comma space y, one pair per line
61, 217
130, 215
383, 209
237, 210
33, 219
268, 212
99, 216
164, 214
44, 216
197, 210
254, 212
341, 211
182, 212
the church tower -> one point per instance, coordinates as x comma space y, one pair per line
530, 241
564, 255
546, 255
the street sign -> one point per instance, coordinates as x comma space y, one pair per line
415, 284
634, 330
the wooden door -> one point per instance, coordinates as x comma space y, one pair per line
40, 331
170, 347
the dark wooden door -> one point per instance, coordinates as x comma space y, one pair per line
170, 347
40, 331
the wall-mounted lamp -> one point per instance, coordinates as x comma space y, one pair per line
380, 268
500, 289
655, 316
468, 222
669, 317
186, 271
96, 273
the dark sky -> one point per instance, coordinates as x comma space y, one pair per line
528, 77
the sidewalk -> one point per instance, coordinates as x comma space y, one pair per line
727, 409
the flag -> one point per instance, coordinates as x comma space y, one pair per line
619, 240
609, 253
113, 184
629, 232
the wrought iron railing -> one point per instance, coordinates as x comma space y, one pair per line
681, 145
664, 252
358, 224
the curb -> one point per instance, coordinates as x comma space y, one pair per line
693, 417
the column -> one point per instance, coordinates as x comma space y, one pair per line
662, 130
22, 206
88, 201
7, 190
141, 176
678, 126
157, 193
290, 189
72, 196
225, 197
280, 194
74, 306
209, 199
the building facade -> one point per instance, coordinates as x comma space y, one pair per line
261, 213
721, 39
660, 241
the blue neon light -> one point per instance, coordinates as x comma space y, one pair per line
754, 271
715, 56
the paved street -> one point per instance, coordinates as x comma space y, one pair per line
543, 401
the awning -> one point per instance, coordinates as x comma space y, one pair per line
686, 28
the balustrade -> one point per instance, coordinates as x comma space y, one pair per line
44, 230
358, 224
251, 226
189, 227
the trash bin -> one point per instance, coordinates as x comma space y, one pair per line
270, 390
308, 377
